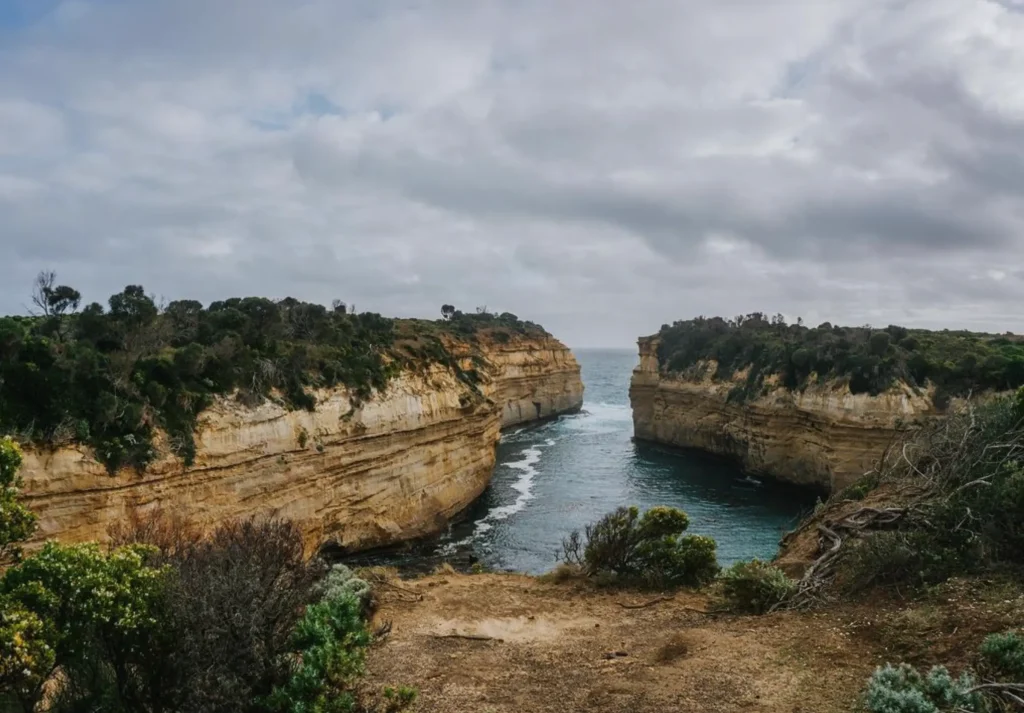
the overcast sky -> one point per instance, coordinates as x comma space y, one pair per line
599, 166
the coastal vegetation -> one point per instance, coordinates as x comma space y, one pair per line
170, 620
945, 504
625, 547
112, 377
755, 347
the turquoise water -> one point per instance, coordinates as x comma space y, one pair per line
560, 475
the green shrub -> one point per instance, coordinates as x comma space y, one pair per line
967, 517
16, 522
341, 580
111, 378
755, 586
860, 489
649, 550
26, 654
96, 616
329, 651
871, 361
1002, 656
902, 689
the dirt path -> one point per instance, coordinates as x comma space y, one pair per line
564, 648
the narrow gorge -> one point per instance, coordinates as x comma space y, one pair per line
396, 467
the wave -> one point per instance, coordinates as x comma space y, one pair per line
599, 418
523, 485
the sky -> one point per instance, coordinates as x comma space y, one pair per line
599, 167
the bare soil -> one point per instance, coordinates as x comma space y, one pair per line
533, 646
568, 647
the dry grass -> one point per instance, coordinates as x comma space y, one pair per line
445, 568
543, 648
675, 647
561, 574
378, 574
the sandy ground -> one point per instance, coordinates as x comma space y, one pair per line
564, 647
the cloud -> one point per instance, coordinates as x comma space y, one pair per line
601, 169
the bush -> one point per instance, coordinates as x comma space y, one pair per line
648, 550
340, 580
112, 378
16, 523
902, 689
26, 654
168, 620
860, 489
328, 652
871, 361
755, 586
1002, 656
236, 622
965, 478
96, 616
253, 574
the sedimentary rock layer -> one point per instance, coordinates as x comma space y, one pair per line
823, 436
395, 468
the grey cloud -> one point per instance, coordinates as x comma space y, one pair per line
601, 169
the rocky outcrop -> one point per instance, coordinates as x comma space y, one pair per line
823, 436
395, 468
533, 384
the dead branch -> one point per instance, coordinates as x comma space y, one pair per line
470, 637
644, 605
382, 632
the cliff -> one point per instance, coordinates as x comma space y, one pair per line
395, 468
822, 436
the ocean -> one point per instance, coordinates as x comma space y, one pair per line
557, 476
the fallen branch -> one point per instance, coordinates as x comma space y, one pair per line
382, 631
645, 604
414, 595
470, 637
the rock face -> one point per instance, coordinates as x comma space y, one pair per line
396, 468
533, 384
824, 436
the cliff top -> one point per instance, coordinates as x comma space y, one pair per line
535, 646
108, 377
869, 360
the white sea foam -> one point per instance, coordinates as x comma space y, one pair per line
523, 485
510, 435
599, 418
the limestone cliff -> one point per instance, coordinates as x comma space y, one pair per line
536, 383
823, 436
395, 468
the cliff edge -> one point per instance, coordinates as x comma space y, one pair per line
822, 436
395, 467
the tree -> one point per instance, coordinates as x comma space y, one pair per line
16, 523
54, 301
133, 307
879, 343
338, 306
447, 311
41, 290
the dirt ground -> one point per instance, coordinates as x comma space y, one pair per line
570, 647
564, 647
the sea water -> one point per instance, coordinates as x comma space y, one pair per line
560, 475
